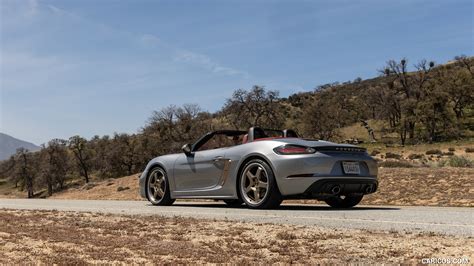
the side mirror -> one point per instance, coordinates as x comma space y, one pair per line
186, 149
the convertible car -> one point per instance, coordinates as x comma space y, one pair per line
260, 168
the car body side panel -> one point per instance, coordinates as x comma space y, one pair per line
293, 173
198, 171
166, 162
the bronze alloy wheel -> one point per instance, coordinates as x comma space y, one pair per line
157, 188
258, 187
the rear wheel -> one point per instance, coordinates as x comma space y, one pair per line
343, 201
157, 188
257, 186
233, 202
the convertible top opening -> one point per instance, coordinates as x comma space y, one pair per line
228, 138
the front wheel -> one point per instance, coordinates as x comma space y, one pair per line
343, 201
257, 186
157, 188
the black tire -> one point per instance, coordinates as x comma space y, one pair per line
233, 202
346, 202
272, 197
165, 199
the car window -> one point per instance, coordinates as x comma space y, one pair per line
221, 141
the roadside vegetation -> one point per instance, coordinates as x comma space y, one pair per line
393, 115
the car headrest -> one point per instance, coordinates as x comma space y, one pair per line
245, 138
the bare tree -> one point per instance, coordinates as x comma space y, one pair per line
54, 164
82, 153
411, 86
466, 62
255, 107
24, 169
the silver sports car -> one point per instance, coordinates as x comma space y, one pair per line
260, 168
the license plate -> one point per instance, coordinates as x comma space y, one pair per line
351, 168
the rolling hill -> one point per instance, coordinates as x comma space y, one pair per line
9, 145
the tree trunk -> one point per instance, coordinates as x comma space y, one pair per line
411, 130
86, 175
29, 187
403, 133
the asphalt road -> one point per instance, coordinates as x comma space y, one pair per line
444, 220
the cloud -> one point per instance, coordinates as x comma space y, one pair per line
209, 64
32, 7
64, 74
149, 39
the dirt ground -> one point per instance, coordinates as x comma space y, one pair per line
104, 190
76, 238
447, 186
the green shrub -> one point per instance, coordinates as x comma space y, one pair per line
435, 151
396, 164
457, 161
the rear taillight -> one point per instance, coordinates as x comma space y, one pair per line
293, 149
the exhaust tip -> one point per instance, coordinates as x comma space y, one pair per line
336, 190
368, 189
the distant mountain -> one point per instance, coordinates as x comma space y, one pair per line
9, 144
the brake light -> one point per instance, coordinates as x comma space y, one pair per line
293, 149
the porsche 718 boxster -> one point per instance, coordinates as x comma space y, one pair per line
260, 168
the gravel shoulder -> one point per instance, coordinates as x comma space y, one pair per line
453, 221
50, 237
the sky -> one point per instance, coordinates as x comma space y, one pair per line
93, 67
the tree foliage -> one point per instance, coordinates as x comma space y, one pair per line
255, 107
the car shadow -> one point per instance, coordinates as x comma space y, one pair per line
286, 207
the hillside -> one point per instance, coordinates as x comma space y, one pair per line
9, 145
409, 105
445, 186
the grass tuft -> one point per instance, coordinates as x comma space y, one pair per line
414, 156
391, 155
396, 164
435, 151
457, 161
285, 235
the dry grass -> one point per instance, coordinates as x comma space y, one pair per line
54, 237
8, 190
445, 186
104, 190
423, 152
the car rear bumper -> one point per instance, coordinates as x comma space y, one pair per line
305, 174
320, 187
341, 186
